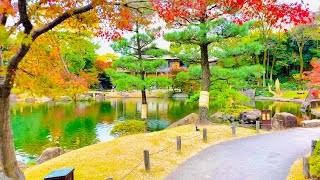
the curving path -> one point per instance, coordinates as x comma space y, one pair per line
262, 157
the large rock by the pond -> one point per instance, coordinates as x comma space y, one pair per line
50, 153
283, 120
191, 118
223, 117
180, 95
310, 123
250, 117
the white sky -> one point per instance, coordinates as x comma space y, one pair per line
314, 5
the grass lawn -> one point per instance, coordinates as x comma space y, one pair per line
118, 157
294, 94
296, 171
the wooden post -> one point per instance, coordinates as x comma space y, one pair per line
313, 146
109, 179
257, 126
179, 143
306, 170
146, 160
205, 137
233, 129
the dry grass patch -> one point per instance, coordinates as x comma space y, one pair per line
296, 171
118, 157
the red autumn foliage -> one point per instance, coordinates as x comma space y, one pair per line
174, 71
101, 64
314, 76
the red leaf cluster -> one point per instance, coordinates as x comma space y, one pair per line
314, 76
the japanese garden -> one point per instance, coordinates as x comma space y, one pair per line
159, 89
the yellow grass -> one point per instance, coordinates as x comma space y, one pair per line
294, 94
296, 171
118, 157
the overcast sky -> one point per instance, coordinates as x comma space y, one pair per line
314, 5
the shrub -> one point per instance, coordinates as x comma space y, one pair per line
235, 111
128, 127
315, 162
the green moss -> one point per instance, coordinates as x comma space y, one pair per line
128, 127
235, 111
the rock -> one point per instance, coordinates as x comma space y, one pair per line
283, 120
4, 177
310, 123
216, 115
250, 117
30, 100
22, 165
65, 99
191, 118
13, 97
249, 93
99, 97
50, 153
227, 117
180, 95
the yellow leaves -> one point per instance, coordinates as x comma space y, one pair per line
4, 35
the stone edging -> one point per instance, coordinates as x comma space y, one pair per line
300, 101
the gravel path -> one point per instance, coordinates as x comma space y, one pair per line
262, 157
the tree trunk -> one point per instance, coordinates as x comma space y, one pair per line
273, 61
301, 64
7, 152
1, 60
205, 82
264, 66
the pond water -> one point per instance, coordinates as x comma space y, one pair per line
75, 125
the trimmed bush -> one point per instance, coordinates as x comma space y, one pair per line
315, 162
128, 127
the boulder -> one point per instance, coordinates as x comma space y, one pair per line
180, 95
222, 118
65, 99
310, 123
189, 119
30, 100
22, 165
249, 93
227, 117
3, 177
216, 115
250, 117
99, 97
50, 153
283, 120
13, 97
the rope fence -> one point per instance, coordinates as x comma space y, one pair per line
178, 143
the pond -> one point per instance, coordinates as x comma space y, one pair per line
75, 125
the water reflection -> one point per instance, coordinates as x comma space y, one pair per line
75, 125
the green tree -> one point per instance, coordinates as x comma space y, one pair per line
302, 34
137, 63
202, 34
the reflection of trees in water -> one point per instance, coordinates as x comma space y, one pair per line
277, 107
71, 125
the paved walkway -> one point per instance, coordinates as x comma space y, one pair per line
262, 157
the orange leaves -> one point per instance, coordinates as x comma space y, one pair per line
314, 76
6, 7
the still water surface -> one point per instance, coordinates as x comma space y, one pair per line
75, 125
